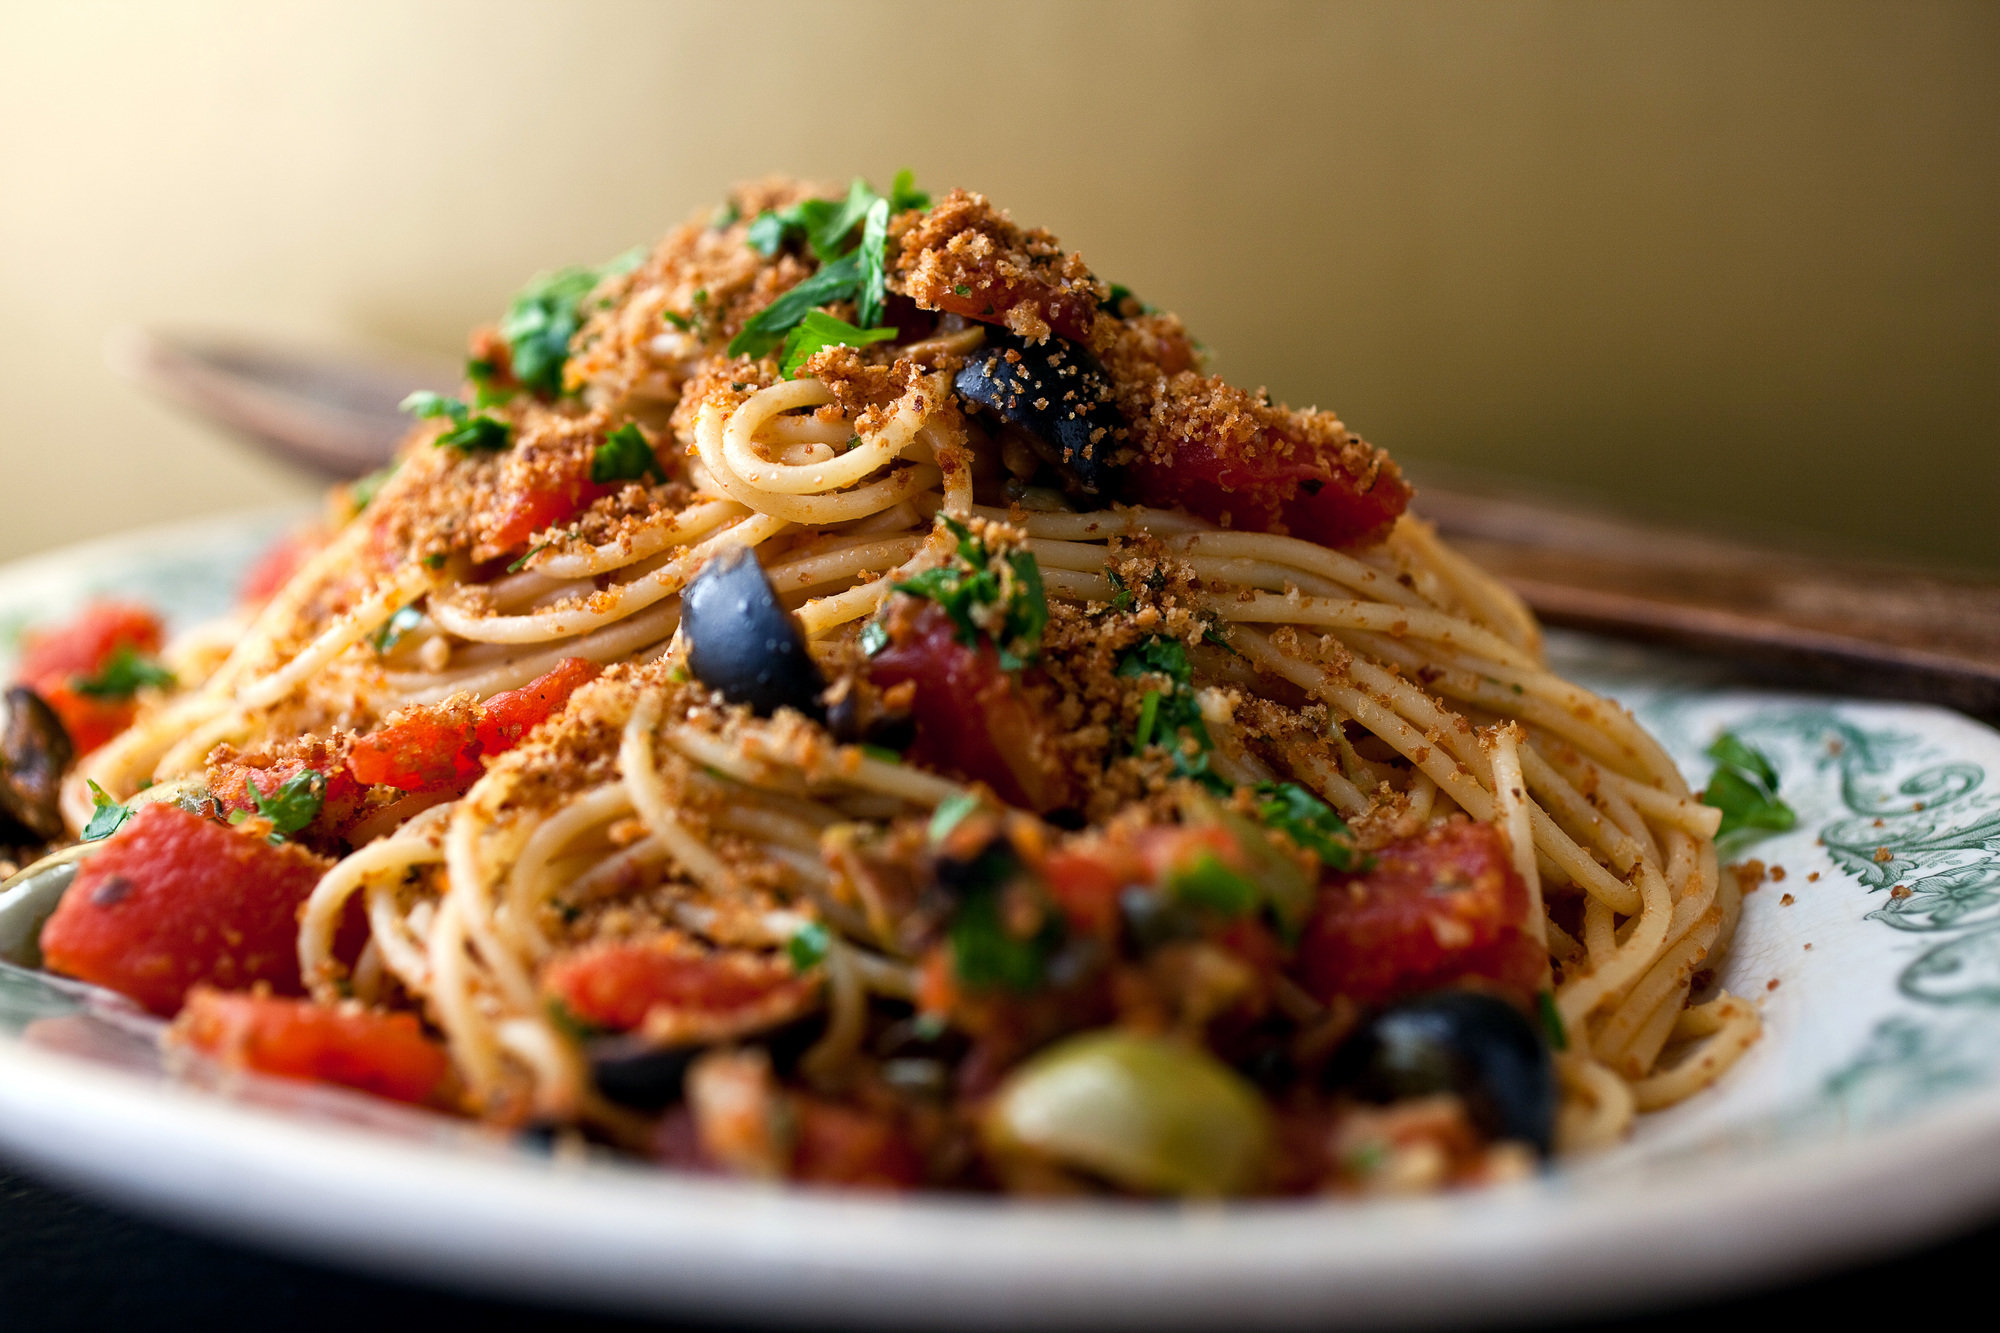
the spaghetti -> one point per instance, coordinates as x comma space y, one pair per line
1133, 738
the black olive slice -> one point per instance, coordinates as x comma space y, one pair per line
742, 642
1057, 393
35, 752
1476, 1046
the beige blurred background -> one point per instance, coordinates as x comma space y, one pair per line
1734, 263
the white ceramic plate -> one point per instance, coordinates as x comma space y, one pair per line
1867, 1118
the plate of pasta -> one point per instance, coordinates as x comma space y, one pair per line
845, 773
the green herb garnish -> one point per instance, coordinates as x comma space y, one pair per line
1121, 596
858, 273
1308, 821
395, 627
977, 581
874, 638
819, 329
986, 955
625, 456
808, 946
1208, 883
106, 817
1172, 715
469, 433
294, 804
487, 388
1552, 1020
950, 813
542, 319
1745, 788
123, 674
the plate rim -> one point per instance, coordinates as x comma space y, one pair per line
1561, 1245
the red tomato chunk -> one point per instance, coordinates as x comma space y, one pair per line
615, 986
1438, 909
1266, 490
53, 660
174, 901
971, 717
505, 718
384, 1054
425, 749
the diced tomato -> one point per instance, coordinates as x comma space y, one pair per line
174, 901
1262, 490
619, 985
274, 568
230, 779
54, 660
1085, 881
988, 297
425, 749
384, 1054
845, 1145
84, 645
505, 718
971, 716
1436, 909
89, 719
552, 503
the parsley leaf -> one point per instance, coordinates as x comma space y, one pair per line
874, 638
469, 434
1168, 715
859, 273
487, 388
838, 281
1308, 821
122, 675
1207, 882
294, 804
977, 581
1121, 596
950, 813
542, 319
395, 627
107, 816
1552, 1020
808, 946
1745, 788
904, 194
874, 263
819, 329
986, 955
625, 456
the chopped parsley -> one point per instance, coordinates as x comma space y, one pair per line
488, 389
1552, 1020
123, 674
395, 627
1167, 715
625, 456
808, 946
857, 273
546, 314
106, 817
1121, 596
292, 806
1745, 788
819, 329
1308, 821
874, 638
1208, 883
950, 813
983, 593
986, 955
679, 321
469, 434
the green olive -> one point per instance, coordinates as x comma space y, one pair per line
29, 898
1146, 1113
